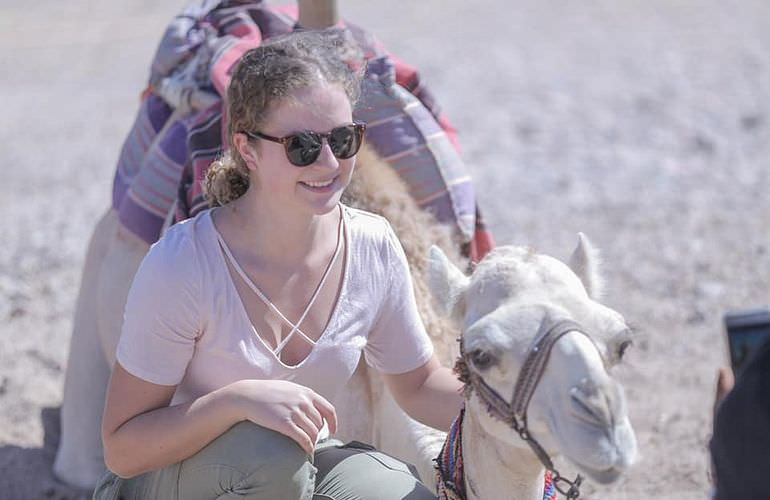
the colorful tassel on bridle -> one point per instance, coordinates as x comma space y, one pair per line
450, 474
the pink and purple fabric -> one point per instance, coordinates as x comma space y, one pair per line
167, 151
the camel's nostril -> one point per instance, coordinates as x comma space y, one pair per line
591, 406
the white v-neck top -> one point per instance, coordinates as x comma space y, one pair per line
185, 324
295, 326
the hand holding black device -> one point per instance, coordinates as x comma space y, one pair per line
747, 331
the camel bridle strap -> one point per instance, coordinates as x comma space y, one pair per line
514, 413
450, 468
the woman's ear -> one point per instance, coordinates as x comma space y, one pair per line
246, 150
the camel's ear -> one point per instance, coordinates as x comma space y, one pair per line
585, 263
447, 284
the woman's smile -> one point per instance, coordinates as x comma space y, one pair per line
326, 186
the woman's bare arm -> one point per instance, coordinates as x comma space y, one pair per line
429, 394
141, 432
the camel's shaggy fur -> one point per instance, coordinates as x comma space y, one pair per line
377, 188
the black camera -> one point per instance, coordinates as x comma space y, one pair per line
747, 331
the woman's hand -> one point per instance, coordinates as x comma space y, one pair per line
725, 383
291, 409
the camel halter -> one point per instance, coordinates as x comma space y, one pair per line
515, 413
450, 469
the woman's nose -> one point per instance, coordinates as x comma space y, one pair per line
327, 158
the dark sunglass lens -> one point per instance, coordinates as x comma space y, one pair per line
345, 141
303, 148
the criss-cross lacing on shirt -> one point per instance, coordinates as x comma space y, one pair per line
294, 326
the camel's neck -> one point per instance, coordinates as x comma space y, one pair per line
495, 470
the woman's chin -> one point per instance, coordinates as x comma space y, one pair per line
323, 207
321, 201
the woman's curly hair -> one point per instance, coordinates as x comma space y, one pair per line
267, 74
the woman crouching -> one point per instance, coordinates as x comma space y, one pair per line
244, 322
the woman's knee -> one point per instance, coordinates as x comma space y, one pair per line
357, 472
250, 461
246, 444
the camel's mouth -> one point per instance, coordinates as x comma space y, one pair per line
602, 453
605, 476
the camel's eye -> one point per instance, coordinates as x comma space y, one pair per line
622, 348
482, 359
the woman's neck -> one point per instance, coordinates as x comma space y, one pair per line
276, 235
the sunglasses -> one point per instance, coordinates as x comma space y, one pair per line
304, 148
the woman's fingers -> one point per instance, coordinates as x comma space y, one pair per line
327, 411
301, 420
725, 383
313, 414
300, 436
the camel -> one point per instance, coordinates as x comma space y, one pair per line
578, 409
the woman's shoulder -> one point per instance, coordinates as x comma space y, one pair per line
365, 223
181, 246
370, 232
188, 232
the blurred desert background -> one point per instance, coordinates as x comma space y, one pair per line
644, 124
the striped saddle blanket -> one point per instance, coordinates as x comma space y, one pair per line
179, 130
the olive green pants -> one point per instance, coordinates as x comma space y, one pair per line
252, 462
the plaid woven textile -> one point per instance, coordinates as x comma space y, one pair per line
167, 152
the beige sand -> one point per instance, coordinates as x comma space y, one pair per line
643, 124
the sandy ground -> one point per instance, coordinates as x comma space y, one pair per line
643, 124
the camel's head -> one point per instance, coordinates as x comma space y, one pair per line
578, 409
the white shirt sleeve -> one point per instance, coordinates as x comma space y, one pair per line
398, 342
161, 320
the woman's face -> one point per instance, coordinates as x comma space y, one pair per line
316, 188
